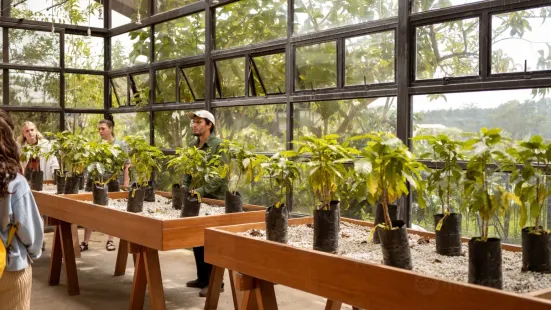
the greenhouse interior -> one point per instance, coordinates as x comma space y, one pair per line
275, 154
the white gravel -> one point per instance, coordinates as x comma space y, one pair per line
49, 189
353, 244
162, 208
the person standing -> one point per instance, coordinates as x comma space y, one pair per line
203, 129
18, 210
106, 132
31, 136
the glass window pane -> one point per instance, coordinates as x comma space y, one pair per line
519, 113
231, 73
346, 118
83, 52
165, 86
423, 5
34, 88
119, 92
196, 79
83, 124
319, 15
83, 91
45, 122
180, 37
262, 126
140, 90
172, 129
448, 49
127, 11
130, 49
31, 47
370, 59
167, 5
520, 38
75, 12
272, 72
136, 124
250, 21
316, 66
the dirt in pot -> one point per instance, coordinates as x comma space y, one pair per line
233, 202
99, 194
485, 262
536, 250
177, 197
277, 223
326, 228
191, 206
380, 217
395, 245
136, 197
37, 180
448, 238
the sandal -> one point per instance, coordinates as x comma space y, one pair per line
83, 246
110, 246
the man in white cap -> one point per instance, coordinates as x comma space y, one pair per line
203, 128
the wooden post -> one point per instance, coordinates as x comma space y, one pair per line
139, 284
215, 285
67, 248
76, 243
265, 295
154, 279
56, 258
333, 305
122, 258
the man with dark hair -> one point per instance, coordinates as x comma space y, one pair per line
203, 128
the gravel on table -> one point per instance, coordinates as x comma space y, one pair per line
162, 208
353, 243
49, 189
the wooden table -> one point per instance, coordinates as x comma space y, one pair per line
145, 237
260, 264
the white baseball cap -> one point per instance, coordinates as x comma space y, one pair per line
202, 114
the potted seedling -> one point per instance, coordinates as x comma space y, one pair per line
144, 158
76, 162
36, 177
105, 163
444, 181
533, 189
388, 166
202, 168
282, 173
239, 164
325, 167
487, 198
60, 149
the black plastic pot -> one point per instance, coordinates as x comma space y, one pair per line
37, 180
277, 223
326, 228
71, 185
536, 251
485, 263
395, 246
114, 186
89, 183
136, 197
234, 203
60, 184
380, 218
150, 192
99, 194
56, 171
28, 174
177, 197
448, 239
80, 182
191, 206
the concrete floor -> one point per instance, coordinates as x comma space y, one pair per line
99, 289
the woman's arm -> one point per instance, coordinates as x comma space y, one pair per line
31, 227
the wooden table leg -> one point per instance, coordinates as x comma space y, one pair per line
122, 258
56, 258
333, 305
76, 242
154, 279
215, 284
235, 297
140, 282
265, 295
69, 258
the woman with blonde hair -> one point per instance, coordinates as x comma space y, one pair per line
18, 213
47, 164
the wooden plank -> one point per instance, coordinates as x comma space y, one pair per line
333, 305
352, 281
244, 282
76, 243
248, 300
215, 285
236, 297
139, 284
154, 279
69, 259
215, 202
56, 258
544, 293
122, 258
265, 295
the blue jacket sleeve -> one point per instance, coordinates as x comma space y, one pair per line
31, 226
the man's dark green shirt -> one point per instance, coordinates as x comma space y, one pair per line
215, 189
